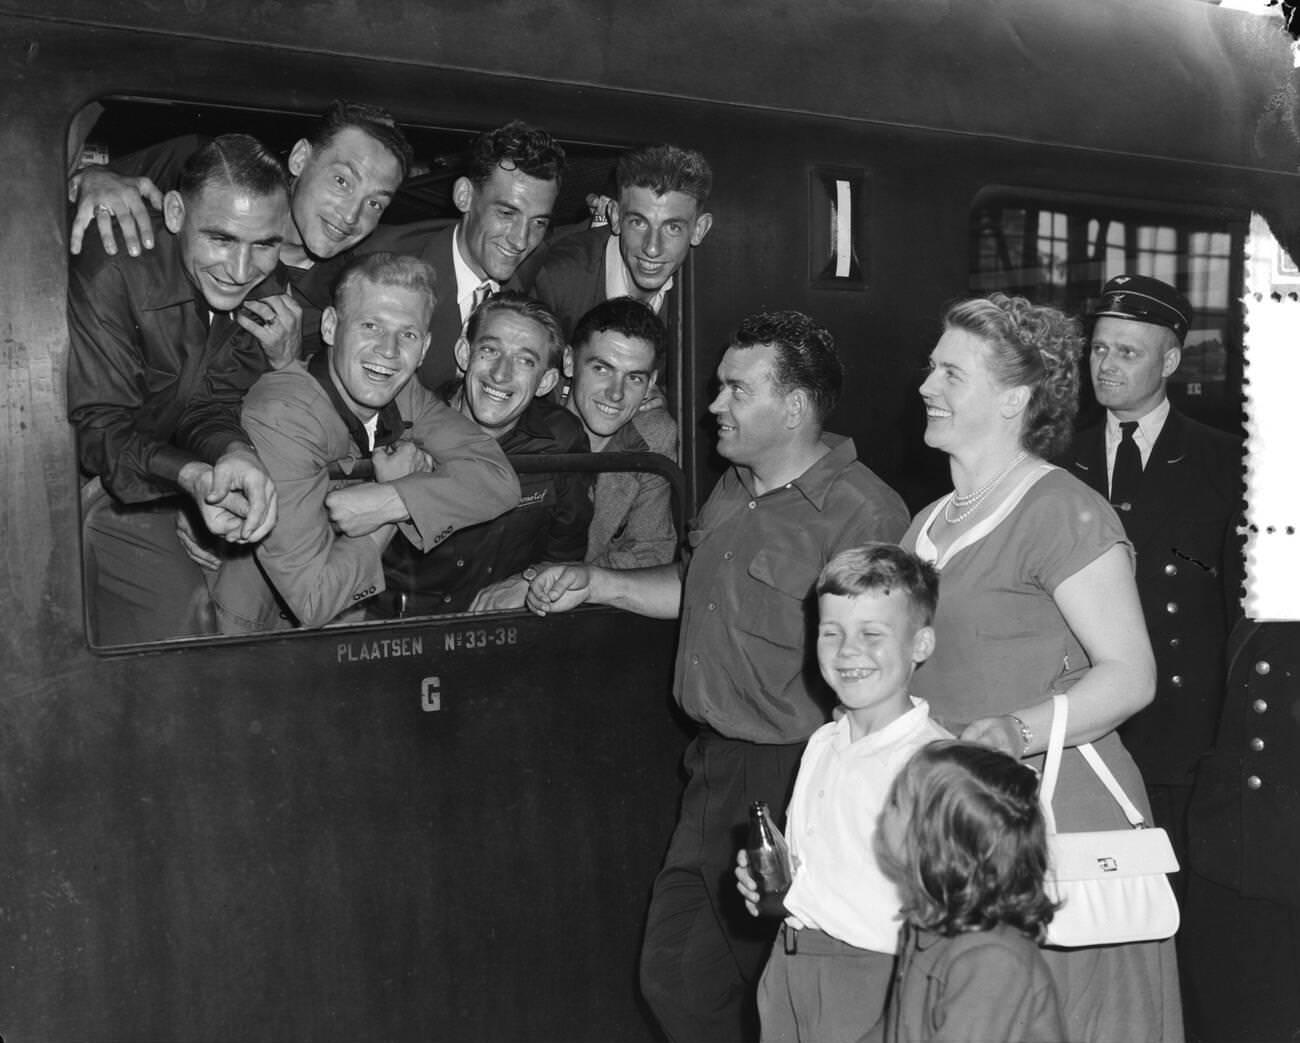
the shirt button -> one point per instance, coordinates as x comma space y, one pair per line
1254, 782
460, 563
1259, 705
728, 556
1172, 607
1174, 642
713, 607
446, 599
753, 504
695, 660
1171, 569
1256, 744
1262, 667
1176, 680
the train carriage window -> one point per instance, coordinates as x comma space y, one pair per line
1061, 250
118, 536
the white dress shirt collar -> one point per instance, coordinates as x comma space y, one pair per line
618, 284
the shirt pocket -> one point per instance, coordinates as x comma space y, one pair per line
777, 605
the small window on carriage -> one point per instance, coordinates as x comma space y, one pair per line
1060, 249
267, 368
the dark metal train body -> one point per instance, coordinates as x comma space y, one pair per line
446, 829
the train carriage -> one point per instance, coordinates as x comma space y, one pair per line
446, 829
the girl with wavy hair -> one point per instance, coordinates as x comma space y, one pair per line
962, 838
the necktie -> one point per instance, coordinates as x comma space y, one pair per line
1128, 468
220, 325
481, 293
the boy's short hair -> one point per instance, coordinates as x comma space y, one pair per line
626, 317
883, 567
664, 169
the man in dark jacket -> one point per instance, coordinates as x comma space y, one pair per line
658, 217
510, 360
342, 177
505, 199
150, 337
1240, 939
1177, 487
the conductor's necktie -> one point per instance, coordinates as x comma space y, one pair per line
1128, 469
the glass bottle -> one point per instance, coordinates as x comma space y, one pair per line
769, 860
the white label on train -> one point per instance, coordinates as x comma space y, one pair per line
383, 648
492, 637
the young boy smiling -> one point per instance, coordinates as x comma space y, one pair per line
830, 967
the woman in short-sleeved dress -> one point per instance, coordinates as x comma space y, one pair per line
1036, 596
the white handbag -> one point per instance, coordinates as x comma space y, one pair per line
1112, 884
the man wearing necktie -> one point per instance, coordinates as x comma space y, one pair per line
1177, 487
505, 198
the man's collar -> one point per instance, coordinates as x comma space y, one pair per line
627, 439
1150, 425
815, 483
618, 282
467, 280
316, 284
532, 422
390, 424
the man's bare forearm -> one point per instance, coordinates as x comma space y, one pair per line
654, 592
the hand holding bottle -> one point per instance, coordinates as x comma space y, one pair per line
745, 883
763, 869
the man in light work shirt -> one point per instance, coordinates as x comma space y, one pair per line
435, 472
793, 497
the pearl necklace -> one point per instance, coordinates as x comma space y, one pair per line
966, 504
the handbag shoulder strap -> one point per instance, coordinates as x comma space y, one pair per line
1103, 772
1052, 763
1052, 769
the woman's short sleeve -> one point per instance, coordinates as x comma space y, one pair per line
1063, 526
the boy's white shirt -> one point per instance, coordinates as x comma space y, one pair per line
831, 823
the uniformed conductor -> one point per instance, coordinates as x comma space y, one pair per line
1177, 487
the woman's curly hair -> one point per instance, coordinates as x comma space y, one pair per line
1033, 346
